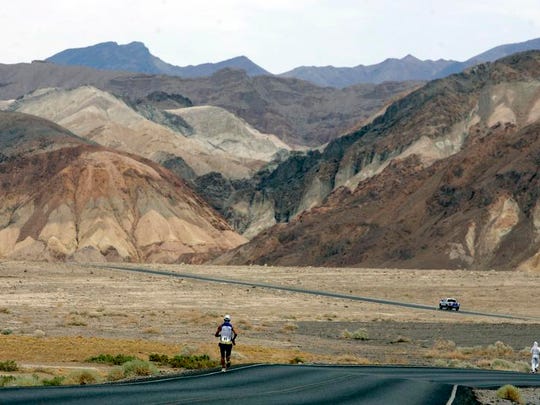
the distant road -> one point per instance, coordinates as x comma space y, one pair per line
304, 291
285, 384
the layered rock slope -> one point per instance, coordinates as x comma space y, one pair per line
446, 178
64, 198
211, 140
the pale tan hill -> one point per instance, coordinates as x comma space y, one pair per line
219, 129
103, 118
76, 201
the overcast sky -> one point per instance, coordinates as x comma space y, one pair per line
278, 35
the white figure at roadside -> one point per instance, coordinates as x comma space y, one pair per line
535, 351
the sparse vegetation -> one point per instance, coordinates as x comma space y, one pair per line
511, 393
152, 331
289, 327
139, 368
7, 331
56, 380
24, 381
83, 377
387, 326
497, 356
184, 361
5, 380
76, 321
297, 360
8, 365
115, 374
117, 360
359, 334
401, 339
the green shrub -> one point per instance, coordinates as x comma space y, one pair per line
162, 359
138, 368
6, 332
6, 379
56, 380
510, 392
192, 361
117, 360
24, 381
8, 365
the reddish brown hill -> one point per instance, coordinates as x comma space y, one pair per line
447, 178
478, 209
63, 198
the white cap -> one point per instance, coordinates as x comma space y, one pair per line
227, 318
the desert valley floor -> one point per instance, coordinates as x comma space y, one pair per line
56, 315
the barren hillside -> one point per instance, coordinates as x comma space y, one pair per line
64, 198
107, 120
447, 178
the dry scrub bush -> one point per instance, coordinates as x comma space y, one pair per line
76, 321
24, 381
445, 349
139, 368
297, 360
359, 334
116, 373
289, 327
352, 359
501, 364
511, 393
453, 363
499, 349
401, 339
83, 377
8, 365
152, 331
5, 380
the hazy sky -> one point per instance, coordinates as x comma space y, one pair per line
278, 35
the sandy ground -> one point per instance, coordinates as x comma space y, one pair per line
58, 315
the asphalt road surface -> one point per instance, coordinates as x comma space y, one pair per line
285, 384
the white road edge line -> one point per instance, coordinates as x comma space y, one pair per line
452, 396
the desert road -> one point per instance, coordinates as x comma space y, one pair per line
305, 291
285, 384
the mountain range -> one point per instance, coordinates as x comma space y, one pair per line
299, 113
135, 57
446, 178
440, 174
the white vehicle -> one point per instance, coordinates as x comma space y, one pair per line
449, 304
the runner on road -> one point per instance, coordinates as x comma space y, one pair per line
535, 351
227, 336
